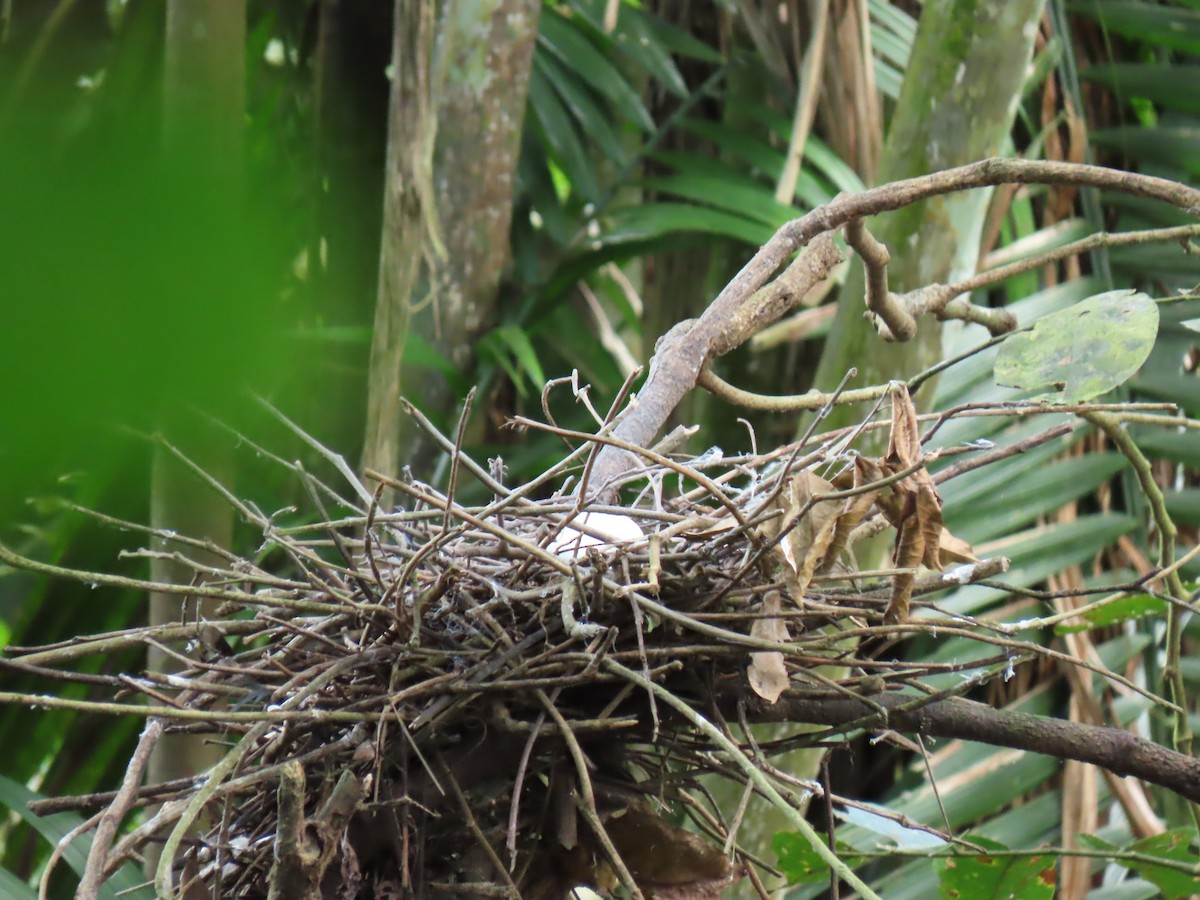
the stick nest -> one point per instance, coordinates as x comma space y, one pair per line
520, 696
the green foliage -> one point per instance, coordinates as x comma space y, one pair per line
1160, 26
128, 882
799, 861
981, 877
1176, 846
132, 291
1123, 609
1084, 351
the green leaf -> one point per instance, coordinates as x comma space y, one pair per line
126, 883
1162, 26
491, 347
1180, 448
1031, 488
14, 888
1175, 845
583, 59
1177, 147
420, 353
1040, 552
1126, 609
1184, 506
1175, 388
735, 142
1084, 351
888, 828
592, 119
895, 19
1096, 843
639, 223
680, 42
980, 877
643, 43
754, 201
518, 342
558, 132
800, 862
1192, 324
1038, 242
1166, 84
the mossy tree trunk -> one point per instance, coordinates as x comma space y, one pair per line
957, 105
459, 87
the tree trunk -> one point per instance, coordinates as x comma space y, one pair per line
204, 110
460, 80
957, 104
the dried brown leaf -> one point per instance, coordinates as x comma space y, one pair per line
910, 547
854, 508
663, 858
890, 502
807, 542
954, 550
929, 521
767, 673
704, 528
904, 442
916, 510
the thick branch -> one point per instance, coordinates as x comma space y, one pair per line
1117, 751
893, 316
686, 349
734, 315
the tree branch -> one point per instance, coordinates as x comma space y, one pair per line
738, 312
683, 352
1109, 748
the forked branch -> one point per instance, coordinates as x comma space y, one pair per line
738, 311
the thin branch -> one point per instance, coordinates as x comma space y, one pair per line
934, 298
893, 320
753, 773
684, 351
806, 104
1172, 671
111, 818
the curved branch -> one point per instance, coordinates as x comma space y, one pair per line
892, 319
733, 317
686, 349
1109, 748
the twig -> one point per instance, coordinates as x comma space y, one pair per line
464, 807
894, 320
683, 352
806, 104
753, 773
60, 847
587, 798
1172, 672
934, 297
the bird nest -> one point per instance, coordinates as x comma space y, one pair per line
521, 696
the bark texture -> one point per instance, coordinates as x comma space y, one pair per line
961, 92
460, 79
